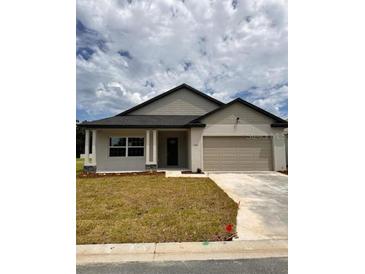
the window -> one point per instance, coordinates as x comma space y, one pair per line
135, 146
117, 147
126, 146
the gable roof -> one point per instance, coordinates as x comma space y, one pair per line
279, 122
168, 93
169, 121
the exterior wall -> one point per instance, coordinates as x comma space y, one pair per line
251, 123
286, 145
182, 102
106, 163
222, 123
239, 130
279, 152
196, 140
286, 149
247, 116
182, 148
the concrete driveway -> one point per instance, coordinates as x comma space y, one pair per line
263, 198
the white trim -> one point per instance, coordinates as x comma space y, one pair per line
126, 147
93, 146
147, 145
201, 152
154, 148
87, 144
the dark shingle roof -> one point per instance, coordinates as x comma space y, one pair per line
143, 121
124, 120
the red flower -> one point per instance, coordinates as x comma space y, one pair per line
229, 228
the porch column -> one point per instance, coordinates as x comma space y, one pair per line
154, 147
94, 147
147, 147
87, 139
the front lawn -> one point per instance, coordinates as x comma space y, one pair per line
79, 165
152, 208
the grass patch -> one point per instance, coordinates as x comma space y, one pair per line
79, 165
134, 209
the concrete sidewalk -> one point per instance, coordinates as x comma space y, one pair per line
187, 251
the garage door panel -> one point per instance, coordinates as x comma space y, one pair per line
237, 153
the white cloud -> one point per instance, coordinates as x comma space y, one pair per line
210, 45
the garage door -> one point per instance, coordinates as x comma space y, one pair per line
237, 153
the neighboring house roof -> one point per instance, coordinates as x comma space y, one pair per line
168, 93
279, 122
142, 121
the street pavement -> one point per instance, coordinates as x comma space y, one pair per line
246, 266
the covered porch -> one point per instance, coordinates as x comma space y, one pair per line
128, 150
173, 149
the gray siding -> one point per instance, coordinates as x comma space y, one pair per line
228, 116
106, 163
182, 102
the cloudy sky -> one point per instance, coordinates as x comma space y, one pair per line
129, 51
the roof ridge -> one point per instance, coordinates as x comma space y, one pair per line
161, 95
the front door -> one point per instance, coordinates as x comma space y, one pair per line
172, 151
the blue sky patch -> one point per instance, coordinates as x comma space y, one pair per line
225, 49
85, 53
125, 53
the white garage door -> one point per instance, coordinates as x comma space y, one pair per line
237, 153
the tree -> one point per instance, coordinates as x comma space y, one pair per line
80, 140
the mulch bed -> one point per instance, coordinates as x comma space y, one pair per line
97, 175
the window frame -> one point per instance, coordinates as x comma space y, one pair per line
110, 146
126, 146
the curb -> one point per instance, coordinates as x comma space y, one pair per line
186, 251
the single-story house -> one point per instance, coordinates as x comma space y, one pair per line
186, 129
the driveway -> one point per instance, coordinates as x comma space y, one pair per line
263, 198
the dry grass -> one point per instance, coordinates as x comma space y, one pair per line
134, 209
